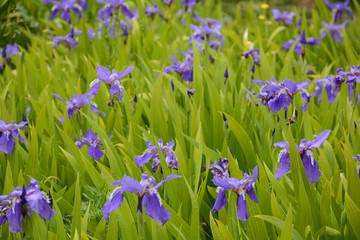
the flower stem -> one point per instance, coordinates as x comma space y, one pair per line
141, 220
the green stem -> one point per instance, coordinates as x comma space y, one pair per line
141, 221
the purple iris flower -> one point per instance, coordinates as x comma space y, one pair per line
254, 53
65, 6
7, 51
168, 2
300, 43
93, 142
21, 202
179, 68
332, 87
8, 133
240, 187
113, 79
334, 30
76, 102
352, 76
147, 193
152, 10
284, 17
210, 28
126, 11
69, 39
281, 95
339, 8
307, 156
221, 169
187, 6
152, 153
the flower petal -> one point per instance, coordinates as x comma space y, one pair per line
242, 212
37, 202
311, 166
128, 184
170, 177
154, 208
220, 200
284, 166
140, 160
7, 144
13, 216
317, 142
115, 201
95, 152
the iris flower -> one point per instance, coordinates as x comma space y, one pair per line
254, 53
93, 142
152, 10
339, 8
76, 102
221, 169
21, 202
307, 156
7, 51
334, 30
65, 6
8, 133
210, 29
300, 43
153, 153
113, 79
285, 16
281, 95
69, 39
240, 187
148, 196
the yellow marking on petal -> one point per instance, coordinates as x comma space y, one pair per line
264, 6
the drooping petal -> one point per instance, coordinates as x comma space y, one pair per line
115, 201
281, 101
2, 220
220, 200
242, 212
13, 216
284, 166
321, 138
39, 204
251, 193
95, 152
141, 160
170, 177
94, 109
311, 166
154, 208
7, 144
128, 184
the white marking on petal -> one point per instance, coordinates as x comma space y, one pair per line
218, 189
94, 82
311, 153
46, 197
154, 191
116, 190
282, 152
